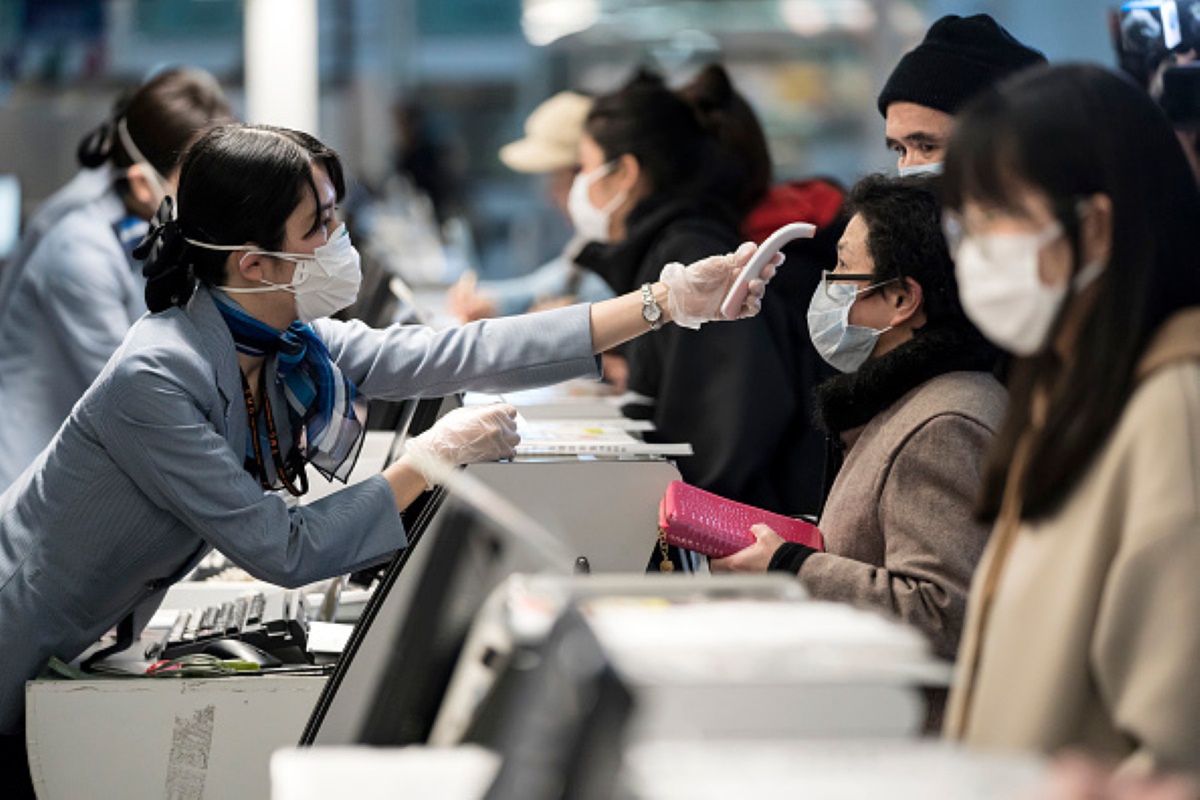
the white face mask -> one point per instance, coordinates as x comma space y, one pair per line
324, 283
844, 346
1002, 293
158, 183
591, 223
932, 168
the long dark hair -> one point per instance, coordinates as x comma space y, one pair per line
745, 171
1071, 132
163, 117
237, 184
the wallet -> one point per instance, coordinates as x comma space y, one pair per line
697, 520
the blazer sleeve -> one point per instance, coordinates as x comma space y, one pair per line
84, 296
159, 436
931, 540
494, 355
1146, 645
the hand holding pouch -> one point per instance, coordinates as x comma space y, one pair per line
697, 520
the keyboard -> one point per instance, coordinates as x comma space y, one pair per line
277, 625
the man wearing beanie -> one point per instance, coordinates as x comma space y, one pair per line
959, 57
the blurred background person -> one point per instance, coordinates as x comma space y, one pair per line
550, 148
427, 160
1076, 250
76, 295
915, 409
92, 180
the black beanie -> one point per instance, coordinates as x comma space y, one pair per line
959, 57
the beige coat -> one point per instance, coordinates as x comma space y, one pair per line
899, 534
1084, 627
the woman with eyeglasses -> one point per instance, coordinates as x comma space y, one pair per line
910, 418
1077, 251
207, 415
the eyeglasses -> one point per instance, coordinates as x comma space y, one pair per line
829, 278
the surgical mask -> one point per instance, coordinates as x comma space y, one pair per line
152, 175
324, 283
591, 223
932, 168
844, 346
1001, 292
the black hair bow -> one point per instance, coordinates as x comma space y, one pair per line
163, 244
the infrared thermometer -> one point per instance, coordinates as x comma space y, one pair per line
758, 262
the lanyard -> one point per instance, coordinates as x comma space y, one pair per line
273, 441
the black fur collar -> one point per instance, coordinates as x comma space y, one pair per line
851, 400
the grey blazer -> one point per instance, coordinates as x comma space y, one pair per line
146, 475
84, 187
63, 312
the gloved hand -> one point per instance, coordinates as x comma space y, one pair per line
695, 292
466, 436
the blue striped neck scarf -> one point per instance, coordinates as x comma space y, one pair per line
320, 399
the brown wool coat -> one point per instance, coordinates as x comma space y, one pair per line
898, 529
1082, 630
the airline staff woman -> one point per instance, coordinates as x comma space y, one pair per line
237, 379
66, 308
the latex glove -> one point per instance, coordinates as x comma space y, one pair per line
466, 436
695, 292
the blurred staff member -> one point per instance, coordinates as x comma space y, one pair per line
72, 301
649, 193
959, 57
1076, 250
916, 409
92, 180
550, 148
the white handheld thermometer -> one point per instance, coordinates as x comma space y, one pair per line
766, 251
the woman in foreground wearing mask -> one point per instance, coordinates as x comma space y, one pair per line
224, 392
915, 411
1077, 251
65, 309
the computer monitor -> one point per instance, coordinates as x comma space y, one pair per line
389, 683
558, 718
10, 215
407, 418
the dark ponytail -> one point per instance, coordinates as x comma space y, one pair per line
162, 117
744, 171
238, 184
